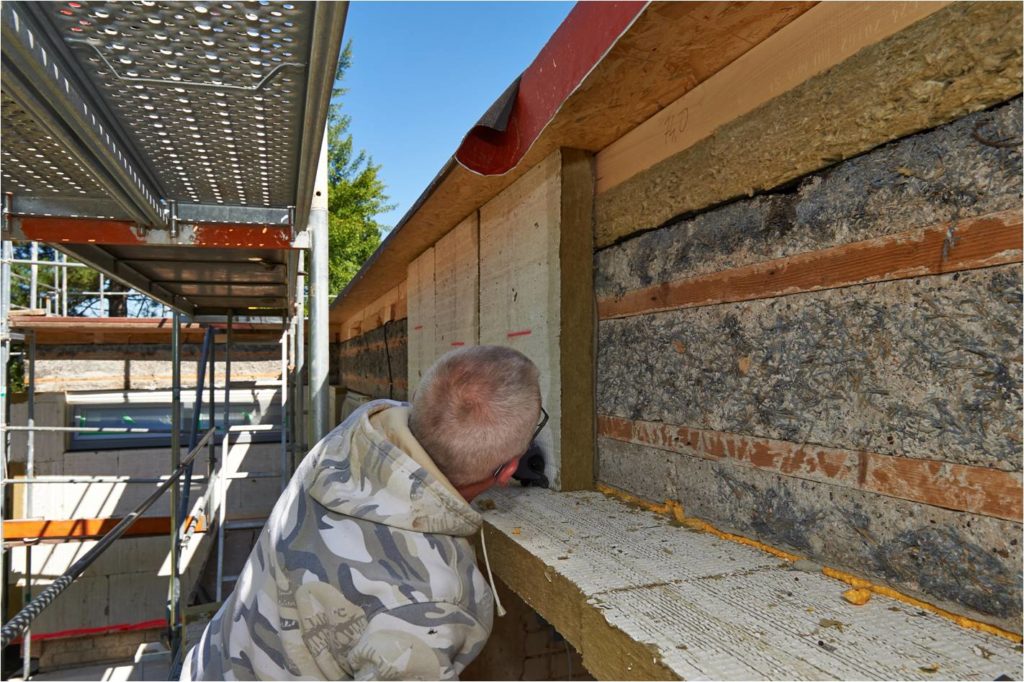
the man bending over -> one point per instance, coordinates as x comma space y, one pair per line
363, 570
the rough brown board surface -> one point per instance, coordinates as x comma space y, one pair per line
924, 179
958, 560
576, 242
927, 368
961, 59
375, 363
670, 48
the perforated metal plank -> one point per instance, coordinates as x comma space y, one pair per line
36, 164
211, 93
708, 608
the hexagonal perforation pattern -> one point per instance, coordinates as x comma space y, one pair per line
35, 164
180, 77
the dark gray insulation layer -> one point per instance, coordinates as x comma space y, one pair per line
376, 363
949, 172
952, 558
927, 368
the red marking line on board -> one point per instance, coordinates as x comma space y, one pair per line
521, 332
417, 327
458, 343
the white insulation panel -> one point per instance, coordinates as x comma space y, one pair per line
710, 608
520, 284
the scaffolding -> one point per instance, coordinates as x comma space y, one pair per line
211, 504
201, 186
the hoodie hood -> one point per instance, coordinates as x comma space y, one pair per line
363, 472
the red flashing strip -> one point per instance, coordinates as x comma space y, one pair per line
521, 332
582, 40
102, 630
458, 343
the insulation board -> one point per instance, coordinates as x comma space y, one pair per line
422, 321
456, 284
707, 608
520, 283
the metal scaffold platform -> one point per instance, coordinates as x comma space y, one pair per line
180, 150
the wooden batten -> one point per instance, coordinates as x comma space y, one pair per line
966, 244
577, 342
973, 489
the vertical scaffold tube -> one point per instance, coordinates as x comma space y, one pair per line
173, 591
319, 347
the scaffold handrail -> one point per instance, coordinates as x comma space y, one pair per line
17, 625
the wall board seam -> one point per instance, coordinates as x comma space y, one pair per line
985, 241
973, 489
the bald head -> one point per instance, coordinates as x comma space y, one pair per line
475, 409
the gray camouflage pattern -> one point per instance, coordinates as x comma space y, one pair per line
363, 571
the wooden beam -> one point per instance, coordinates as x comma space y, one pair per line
973, 489
817, 40
971, 243
576, 340
86, 529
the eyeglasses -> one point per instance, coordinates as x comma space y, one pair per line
536, 432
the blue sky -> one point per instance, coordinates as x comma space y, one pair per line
422, 74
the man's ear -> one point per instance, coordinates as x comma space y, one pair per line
505, 475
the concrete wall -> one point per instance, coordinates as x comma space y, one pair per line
864, 413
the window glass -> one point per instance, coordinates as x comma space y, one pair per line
129, 424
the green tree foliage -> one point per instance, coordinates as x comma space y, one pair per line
356, 195
80, 281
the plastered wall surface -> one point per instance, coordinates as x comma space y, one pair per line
920, 374
456, 287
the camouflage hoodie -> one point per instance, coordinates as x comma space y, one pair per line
363, 570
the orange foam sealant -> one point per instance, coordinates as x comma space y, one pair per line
674, 510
